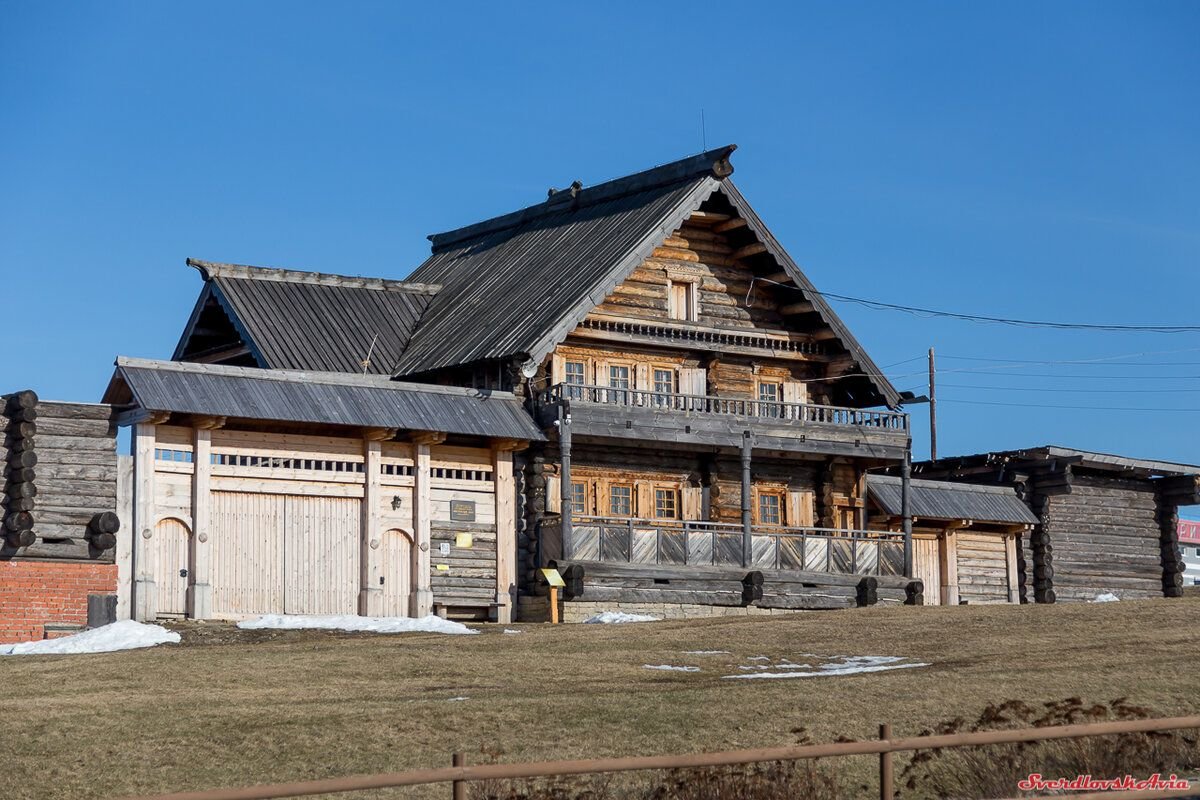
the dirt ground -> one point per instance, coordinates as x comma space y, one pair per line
229, 707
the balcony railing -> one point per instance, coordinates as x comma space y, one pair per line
694, 543
767, 410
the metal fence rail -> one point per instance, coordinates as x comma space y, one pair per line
459, 776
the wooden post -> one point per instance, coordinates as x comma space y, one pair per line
199, 586
422, 591
949, 567
564, 483
553, 605
506, 526
458, 788
144, 599
905, 508
747, 535
125, 541
370, 534
886, 782
932, 409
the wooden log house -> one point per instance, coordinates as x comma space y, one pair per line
1105, 524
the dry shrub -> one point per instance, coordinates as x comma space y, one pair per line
769, 781
994, 770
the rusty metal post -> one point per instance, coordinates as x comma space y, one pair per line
458, 788
885, 765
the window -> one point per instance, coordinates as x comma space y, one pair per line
664, 384
666, 504
681, 300
770, 509
618, 378
573, 376
769, 395
620, 500
578, 497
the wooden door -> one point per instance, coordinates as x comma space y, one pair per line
171, 566
247, 553
983, 568
927, 569
321, 555
396, 568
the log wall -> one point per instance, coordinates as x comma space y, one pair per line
1105, 537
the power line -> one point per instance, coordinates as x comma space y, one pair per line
1046, 389
1072, 408
879, 305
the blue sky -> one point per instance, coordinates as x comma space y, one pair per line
1024, 160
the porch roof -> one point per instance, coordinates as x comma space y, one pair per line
945, 500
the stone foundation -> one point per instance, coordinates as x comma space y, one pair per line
537, 609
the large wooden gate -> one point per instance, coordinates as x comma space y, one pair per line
397, 567
284, 554
171, 565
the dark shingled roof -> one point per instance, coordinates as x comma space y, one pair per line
944, 500
315, 321
516, 285
321, 398
1085, 458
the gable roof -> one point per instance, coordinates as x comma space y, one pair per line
516, 285
1087, 459
312, 320
371, 401
946, 500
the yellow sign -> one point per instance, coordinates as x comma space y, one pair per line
553, 578
443, 567
464, 540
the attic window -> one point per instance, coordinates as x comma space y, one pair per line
681, 300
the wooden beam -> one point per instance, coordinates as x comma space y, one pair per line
824, 335
780, 277
199, 588
707, 217
427, 437
509, 445
370, 534
143, 523
422, 584
202, 423
379, 434
749, 250
506, 531
803, 307
730, 225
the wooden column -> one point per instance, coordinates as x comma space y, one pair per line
370, 528
905, 508
949, 566
199, 590
125, 541
1011, 542
506, 526
144, 599
422, 588
747, 536
564, 482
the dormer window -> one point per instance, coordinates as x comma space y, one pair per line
682, 303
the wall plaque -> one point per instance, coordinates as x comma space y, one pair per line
462, 510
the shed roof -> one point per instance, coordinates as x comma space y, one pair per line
945, 500
517, 284
312, 320
316, 397
1087, 459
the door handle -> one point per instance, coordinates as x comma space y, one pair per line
183, 573
381, 580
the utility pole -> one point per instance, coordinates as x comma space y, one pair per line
932, 408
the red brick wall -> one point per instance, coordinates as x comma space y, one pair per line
33, 593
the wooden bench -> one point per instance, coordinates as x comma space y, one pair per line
442, 607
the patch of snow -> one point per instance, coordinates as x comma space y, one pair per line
123, 635
759, 658
1106, 597
850, 665
457, 699
355, 624
618, 617
670, 668
707, 653
510, 630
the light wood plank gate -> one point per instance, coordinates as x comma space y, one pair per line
284, 554
927, 568
170, 566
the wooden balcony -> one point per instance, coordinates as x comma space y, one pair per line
713, 420
684, 543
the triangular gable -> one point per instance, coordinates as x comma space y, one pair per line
516, 286
287, 319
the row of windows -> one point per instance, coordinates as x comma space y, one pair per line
667, 503
320, 465
664, 380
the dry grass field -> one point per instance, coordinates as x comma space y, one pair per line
230, 707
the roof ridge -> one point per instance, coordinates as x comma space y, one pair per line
306, 376
713, 163
213, 269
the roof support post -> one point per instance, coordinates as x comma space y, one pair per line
906, 509
506, 526
422, 584
566, 505
747, 535
199, 586
370, 533
144, 591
